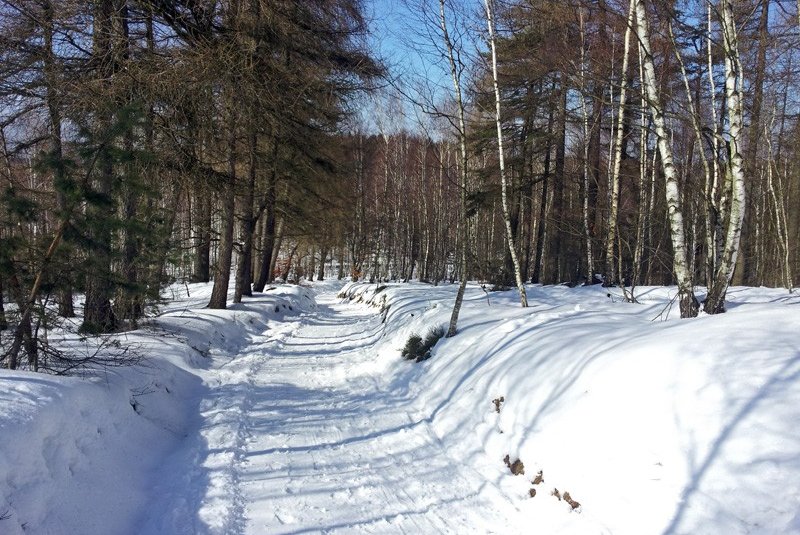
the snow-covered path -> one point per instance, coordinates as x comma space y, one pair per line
297, 435
290, 414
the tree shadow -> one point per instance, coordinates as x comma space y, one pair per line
698, 469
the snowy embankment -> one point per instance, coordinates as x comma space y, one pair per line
678, 426
294, 413
84, 455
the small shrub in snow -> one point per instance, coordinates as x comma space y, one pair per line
413, 347
499, 288
419, 349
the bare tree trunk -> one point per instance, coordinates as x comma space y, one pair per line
244, 270
222, 270
98, 314
462, 138
780, 217
710, 210
512, 248
3, 320
587, 229
557, 229
687, 300
540, 228
202, 253
642, 218
64, 297
270, 207
746, 273
715, 208
23, 334
734, 175
22, 331
273, 259
288, 268
312, 264
618, 146
323, 256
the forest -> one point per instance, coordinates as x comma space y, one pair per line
624, 143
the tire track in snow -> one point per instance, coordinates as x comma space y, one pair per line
328, 452
206, 497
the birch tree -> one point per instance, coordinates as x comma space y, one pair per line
587, 232
618, 140
523, 298
456, 70
734, 171
688, 303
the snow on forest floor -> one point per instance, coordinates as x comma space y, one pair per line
294, 413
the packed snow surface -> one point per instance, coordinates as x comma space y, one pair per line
295, 413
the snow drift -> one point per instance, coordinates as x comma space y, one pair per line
653, 426
83, 455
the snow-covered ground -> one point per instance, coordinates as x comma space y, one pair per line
294, 413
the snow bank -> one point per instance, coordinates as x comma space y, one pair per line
82, 455
678, 426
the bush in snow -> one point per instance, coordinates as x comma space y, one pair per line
413, 348
419, 349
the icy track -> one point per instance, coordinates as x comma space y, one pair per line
296, 438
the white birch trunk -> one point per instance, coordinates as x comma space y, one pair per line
643, 204
781, 221
716, 212
734, 176
618, 140
709, 208
523, 298
688, 303
587, 236
462, 138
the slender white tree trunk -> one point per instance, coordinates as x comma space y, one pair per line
587, 235
643, 204
709, 211
618, 140
462, 138
688, 303
734, 174
523, 298
781, 221
715, 208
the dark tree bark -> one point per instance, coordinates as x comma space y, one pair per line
273, 260
98, 316
64, 296
3, 321
130, 299
540, 228
202, 251
558, 215
244, 271
323, 255
222, 270
270, 203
